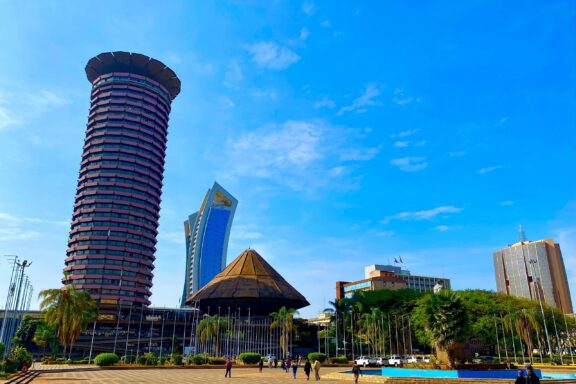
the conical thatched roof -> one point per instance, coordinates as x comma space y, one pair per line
248, 282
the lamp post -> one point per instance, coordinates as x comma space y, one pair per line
532, 262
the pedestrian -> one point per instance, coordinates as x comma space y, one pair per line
275, 362
521, 379
283, 365
228, 368
270, 362
356, 371
307, 368
294, 369
532, 376
316, 368
288, 364
261, 364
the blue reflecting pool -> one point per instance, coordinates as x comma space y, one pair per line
464, 374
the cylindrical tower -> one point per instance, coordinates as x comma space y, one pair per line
114, 226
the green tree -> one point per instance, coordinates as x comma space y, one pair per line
209, 327
284, 319
526, 324
25, 333
45, 336
69, 311
447, 322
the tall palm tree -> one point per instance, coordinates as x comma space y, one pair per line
69, 311
526, 323
447, 322
209, 327
283, 319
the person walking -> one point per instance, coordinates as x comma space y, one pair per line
532, 376
275, 362
283, 365
316, 368
307, 368
228, 368
356, 371
295, 368
261, 364
521, 379
288, 364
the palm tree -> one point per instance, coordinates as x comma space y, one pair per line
44, 336
283, 319
69, 311
526, 323
446, 320
209, 327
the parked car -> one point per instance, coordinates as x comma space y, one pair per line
410, 359
422, 359
365, 361
395, 360
269, 357
382, 361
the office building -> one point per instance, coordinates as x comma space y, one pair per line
114, 225
207, 232
533, 270
389, 277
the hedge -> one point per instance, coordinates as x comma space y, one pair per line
249, 357
199, 359
339, 360
217, 361
106, 359
321, 357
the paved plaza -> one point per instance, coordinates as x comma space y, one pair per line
174, 376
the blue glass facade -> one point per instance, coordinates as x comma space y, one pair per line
207, 232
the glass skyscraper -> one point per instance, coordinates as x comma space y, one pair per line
207, 232
114, 225
534, 270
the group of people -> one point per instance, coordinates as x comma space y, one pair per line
287, 364
529, 378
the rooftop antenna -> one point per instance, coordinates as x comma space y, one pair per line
521, 235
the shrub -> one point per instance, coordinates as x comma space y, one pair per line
141, 360
339, 360
217, 361
249, 357
81, 361
199, 359
106, 359
128, 359
20, 356
150, 359
321, 357
162, 360
176, 359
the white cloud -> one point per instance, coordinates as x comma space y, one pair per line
410, 164
506, 203
443, 228
226, 102
304, 33
45, 99
359, 154
489, 169
268, 54
326, 24
18, 228
325, 103
302, 155
366, 100
402, 144
400, 98
404, 133
385, 233
308, 8
7, 118
427, 214
234, 74
457, 154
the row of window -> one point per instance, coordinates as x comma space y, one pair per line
122, 97
116, 215
106, 262
125, 283
136, 148
115, 172
108, 271
146, 256
118, 206
95, 223
354, 287
110, 243
124, 106
130, 91
110, 164
96, 196
121, 123
99, 116
149, 195
125, 131
104, 179
132, 80
119, 137
124, 155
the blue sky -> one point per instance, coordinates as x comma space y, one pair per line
350, 132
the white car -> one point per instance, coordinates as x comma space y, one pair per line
395, 360
411, 359
382, 361
365, 361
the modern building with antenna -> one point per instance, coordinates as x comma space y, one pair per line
533, 270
